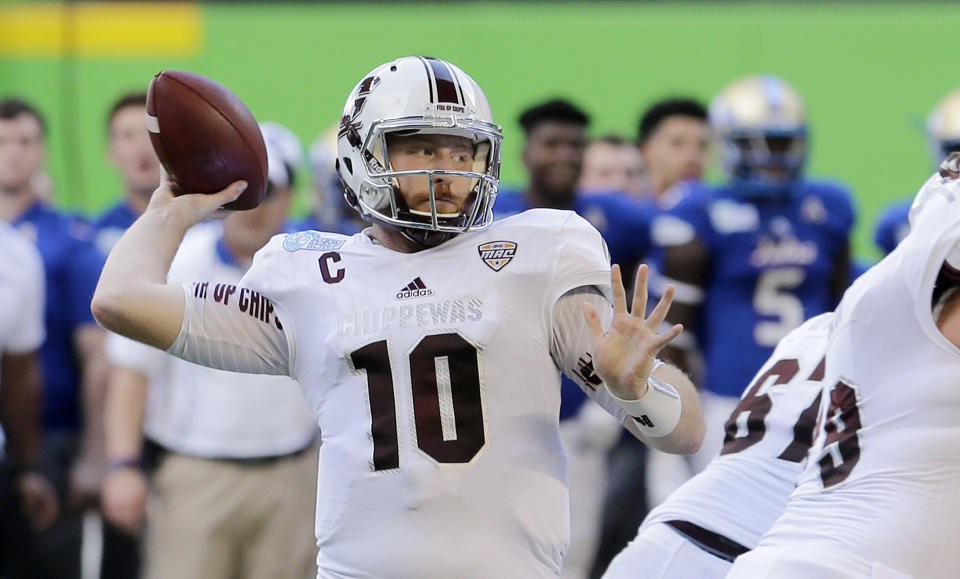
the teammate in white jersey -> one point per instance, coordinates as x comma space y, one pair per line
723, 511
429, 345
880, 496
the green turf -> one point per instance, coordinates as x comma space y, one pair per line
869, 73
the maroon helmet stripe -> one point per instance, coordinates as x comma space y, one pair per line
429, 79
446, 82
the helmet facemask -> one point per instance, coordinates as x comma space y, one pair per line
770, 160
380, 195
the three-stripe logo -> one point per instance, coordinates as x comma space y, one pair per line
414, 289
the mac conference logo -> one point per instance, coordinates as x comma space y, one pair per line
497, 254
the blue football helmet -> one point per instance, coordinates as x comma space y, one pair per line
761, 124
943, 127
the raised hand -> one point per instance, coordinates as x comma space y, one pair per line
623, 354
191, 208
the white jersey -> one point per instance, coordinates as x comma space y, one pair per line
743, 491
21, 297
882, 487
435, 377
204, 412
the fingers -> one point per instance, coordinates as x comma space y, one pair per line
639, 306
619, 294
659, 312
665, 338
593, 321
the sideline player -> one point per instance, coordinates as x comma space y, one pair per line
130, 152
755, 257
612, 164
72, 357
26, 497
943, 138
880, 495
429, 346
723, 511
674, 137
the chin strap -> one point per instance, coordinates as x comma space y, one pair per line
426, 237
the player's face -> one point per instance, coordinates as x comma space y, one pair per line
608, 167
131, 152
21, 152
677, 151
438, 152
553, 155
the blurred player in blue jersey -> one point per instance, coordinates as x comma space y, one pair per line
755, 257
130, 152
553, 154
328, 210
72, 357
612, 164
943, 137
674, 138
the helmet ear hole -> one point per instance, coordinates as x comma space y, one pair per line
348, 164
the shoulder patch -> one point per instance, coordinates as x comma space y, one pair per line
497, 254
311, 240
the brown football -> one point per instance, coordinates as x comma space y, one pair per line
205, 137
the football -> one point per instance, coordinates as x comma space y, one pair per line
205, 137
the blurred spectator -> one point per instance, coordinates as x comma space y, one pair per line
328, 211
755, 257
72, 358
26, 497
612, 164
674, 137
943, 137
556, 138
131, 153
234, 489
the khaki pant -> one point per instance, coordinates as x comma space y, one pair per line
213, 519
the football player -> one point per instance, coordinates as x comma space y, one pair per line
674, 137
610, 164
755, 257
723, 511
943, 137
429, 345
328, 212
879, 494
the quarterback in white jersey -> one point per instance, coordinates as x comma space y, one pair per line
880, 496
429, 346
723, 511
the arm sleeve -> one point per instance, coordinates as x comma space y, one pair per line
30, 333
231, 327
573, 342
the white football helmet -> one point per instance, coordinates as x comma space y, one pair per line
762, 126
413, 95
943, 127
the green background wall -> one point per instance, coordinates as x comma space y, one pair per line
869, 73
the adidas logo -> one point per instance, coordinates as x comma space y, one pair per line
414, 289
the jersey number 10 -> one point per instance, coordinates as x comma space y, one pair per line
445, 385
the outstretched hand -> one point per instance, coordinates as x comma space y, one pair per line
188, 207
623, 355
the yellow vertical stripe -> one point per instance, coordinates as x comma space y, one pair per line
133, 29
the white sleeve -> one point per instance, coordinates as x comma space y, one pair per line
134, 355
573, 343
231, 327
29, 330
582, 260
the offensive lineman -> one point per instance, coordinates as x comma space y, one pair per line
723, 511
880, 495
429, 345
